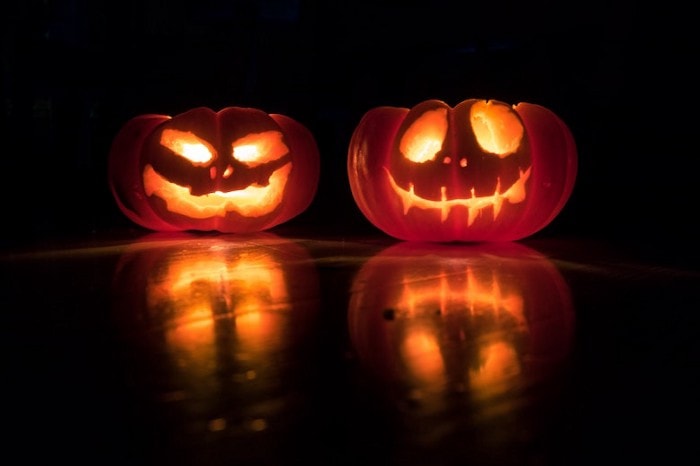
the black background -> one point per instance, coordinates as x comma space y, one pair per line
620, 74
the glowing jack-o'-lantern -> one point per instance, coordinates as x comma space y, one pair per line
474, 320
238, 170
481, 171
217, 323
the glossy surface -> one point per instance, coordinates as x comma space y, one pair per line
79, 388
292, 348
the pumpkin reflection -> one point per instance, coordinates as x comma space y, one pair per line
216, 320
482, 321
250, 291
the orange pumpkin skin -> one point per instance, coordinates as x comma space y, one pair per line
479, 171
239, 170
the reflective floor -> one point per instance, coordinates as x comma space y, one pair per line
292, 349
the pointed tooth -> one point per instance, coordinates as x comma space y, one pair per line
407, 200
472, 215
445, 209
497, 206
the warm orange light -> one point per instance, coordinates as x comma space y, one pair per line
202, 288
487, 296
259, 312
444, 325
498, 368
459, 291
423, 139
496, 127
237, 170
258, 148
187, 145
421, 353
514, 194
216, 305
219, 322
253, 201
457, 311
409, 168
189, 294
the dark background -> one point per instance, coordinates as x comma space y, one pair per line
620, 74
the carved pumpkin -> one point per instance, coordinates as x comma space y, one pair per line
481, 171
475, 320
238, 170
217, 324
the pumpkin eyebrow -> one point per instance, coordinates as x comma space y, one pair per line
258, 148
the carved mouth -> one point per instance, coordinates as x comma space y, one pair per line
475, 204
254, 201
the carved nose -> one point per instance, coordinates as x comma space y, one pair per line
462, 162
227, 172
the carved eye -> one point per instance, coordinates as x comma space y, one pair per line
187, 145
423, 139
497, 128
258, 148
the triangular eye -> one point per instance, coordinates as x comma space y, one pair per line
423, 139
258, 148
187, 145
497, 128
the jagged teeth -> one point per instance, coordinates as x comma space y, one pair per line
445, 210
497, 204
474, 205
473, 213
408, 200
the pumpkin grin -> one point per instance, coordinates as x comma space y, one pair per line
482, 170
516, 193
237, 170
254, 201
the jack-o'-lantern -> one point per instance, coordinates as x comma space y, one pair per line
481, 171
473, 321
219, 325
238, 170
